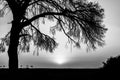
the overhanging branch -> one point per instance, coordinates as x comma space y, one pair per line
26, 23
35, 2
64, 30
67, 34
37, 29
43, 15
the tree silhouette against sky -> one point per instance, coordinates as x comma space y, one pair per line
80, 21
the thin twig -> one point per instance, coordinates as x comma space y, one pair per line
65, 31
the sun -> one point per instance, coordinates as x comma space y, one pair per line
60, 59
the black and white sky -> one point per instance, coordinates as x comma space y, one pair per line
63, 57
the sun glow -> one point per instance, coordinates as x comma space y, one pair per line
59, 59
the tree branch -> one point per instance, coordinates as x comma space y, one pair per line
34, 2
24, 35
65, 31
26, 23
43, 15
67, 35
37, 30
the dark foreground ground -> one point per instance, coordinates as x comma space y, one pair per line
55, 74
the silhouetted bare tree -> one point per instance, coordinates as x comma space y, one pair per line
80, 21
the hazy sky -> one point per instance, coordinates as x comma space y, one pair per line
63, 57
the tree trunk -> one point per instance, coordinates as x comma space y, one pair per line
18, 12
13, 51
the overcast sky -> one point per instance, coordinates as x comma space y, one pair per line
78, 58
